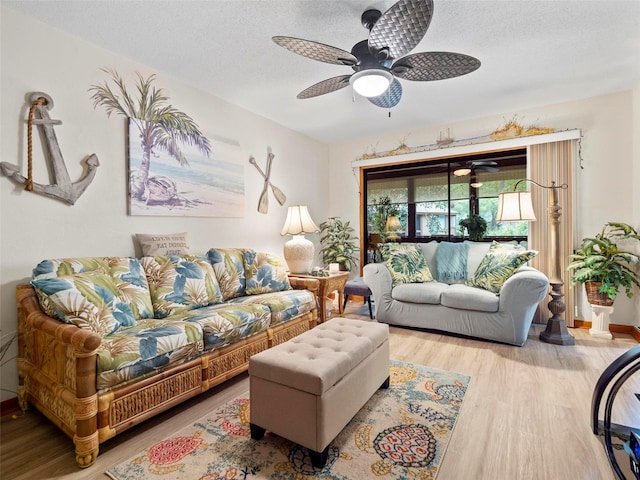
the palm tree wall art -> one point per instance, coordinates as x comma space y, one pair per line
173, 168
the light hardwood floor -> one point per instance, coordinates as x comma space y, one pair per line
525, 414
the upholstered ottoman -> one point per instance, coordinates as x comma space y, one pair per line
308, 388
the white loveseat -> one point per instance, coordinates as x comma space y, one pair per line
454, 307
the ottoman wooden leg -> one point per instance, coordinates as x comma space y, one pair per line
386, 383
319, 459
256, 432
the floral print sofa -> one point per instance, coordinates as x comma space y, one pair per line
105, 343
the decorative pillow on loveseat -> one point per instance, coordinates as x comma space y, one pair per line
498, 265
406, 264
180, 283
265, 273
93, 300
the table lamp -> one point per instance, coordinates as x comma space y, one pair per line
299, 252
392, 228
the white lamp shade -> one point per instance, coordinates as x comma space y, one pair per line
515, 207
298, 221
371, 82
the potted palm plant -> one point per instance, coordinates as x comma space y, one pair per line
338, 243
603, 267
476, 226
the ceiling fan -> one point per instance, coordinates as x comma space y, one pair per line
475, 165
378, 62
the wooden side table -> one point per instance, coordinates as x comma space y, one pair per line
334, 282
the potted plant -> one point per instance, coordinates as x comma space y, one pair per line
476, 226
338, 243
603, 266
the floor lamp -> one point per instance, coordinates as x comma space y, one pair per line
516, 206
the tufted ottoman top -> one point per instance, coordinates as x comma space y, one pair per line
317, 359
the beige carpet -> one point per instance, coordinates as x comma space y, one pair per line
401, 433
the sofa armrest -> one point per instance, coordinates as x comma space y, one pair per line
379, 281
57, 371
528, 286
520, 296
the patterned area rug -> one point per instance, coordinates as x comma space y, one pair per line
401, 433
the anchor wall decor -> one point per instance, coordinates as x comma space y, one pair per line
62, 188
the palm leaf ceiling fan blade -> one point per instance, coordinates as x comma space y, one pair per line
485, 165
326, 86
401, 28
391, 35
316, 51
489, 166
390, 98
427, 66
487, 169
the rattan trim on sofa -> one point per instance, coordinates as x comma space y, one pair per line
57, 374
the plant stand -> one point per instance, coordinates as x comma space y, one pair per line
600, 321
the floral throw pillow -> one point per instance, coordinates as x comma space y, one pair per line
497, 266
61, 267
180, 283
265, 273
228, 264
407, 264
89, 300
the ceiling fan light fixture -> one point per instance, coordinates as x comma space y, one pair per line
477, 184
461, 172
371, 82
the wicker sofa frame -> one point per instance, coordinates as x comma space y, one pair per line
57, 374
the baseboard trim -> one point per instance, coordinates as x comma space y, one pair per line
8, 406
581, 323
613, 328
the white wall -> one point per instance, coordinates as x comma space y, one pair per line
35, 57
636, 176
605, 187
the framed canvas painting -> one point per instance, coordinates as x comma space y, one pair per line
199, 186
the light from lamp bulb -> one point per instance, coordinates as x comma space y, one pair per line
461, 172
371, 83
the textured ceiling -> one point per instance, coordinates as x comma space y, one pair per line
532, 53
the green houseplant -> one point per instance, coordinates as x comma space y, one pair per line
338, 243
603, 266
476, 226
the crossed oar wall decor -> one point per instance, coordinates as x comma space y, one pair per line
263, 202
